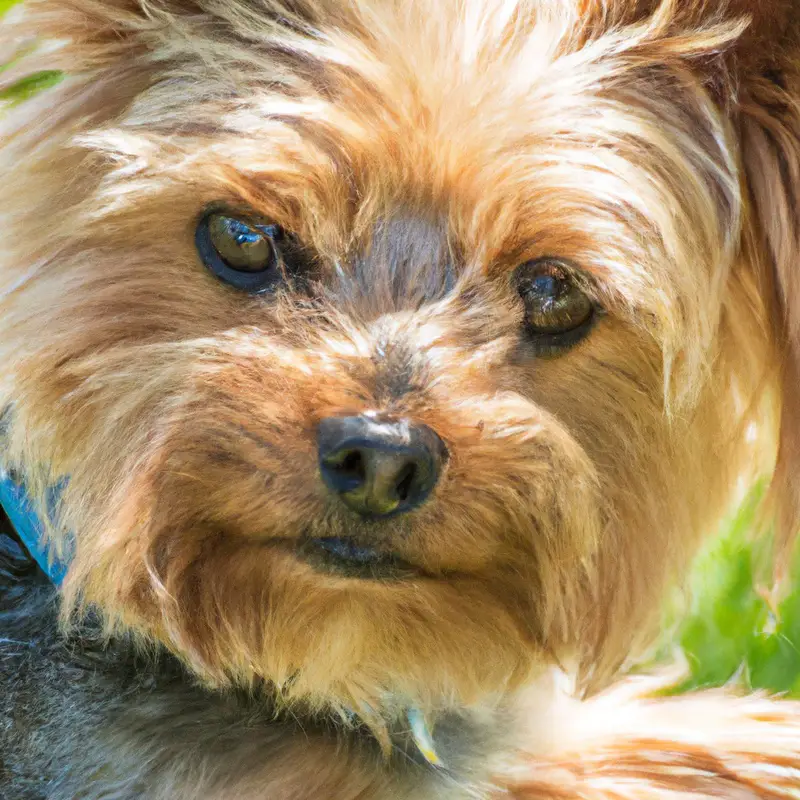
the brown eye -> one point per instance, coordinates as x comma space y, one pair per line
556, 308
242, 247
243, 254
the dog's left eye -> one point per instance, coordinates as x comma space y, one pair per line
244, 254
558, 312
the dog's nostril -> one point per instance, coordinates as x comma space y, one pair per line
353, 465
405, 481
378, 469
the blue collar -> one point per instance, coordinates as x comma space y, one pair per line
20, 512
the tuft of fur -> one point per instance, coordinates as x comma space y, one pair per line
420, 152
626, 743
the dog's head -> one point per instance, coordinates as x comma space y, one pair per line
395, 349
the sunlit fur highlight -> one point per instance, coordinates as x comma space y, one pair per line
624, 744
654, 145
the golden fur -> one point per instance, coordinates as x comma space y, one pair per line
623, 745
654, 144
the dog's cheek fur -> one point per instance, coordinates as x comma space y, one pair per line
207, 522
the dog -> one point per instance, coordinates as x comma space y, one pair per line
389, 356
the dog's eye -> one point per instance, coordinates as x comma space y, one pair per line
244, 254
558, 312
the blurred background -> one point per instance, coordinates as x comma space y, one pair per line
725, 623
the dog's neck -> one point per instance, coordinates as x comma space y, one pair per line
413, 733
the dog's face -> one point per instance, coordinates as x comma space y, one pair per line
390, 352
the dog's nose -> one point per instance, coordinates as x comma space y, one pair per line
379, 469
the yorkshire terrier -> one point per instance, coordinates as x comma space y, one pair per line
389, 357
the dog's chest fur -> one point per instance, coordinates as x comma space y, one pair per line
83, 720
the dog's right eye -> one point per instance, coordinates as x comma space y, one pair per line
244, 254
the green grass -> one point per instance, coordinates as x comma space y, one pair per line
724, 626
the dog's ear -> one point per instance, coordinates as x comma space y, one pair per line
757, 82
769, 131
754, 76
94, 33
112, 51
98, 35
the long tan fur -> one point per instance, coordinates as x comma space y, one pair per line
625, 743
655, 145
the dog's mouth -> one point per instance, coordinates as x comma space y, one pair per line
348, 558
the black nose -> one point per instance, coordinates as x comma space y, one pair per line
376, 468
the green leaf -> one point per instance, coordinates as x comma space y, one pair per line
30, 85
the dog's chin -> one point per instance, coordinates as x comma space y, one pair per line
348, 558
